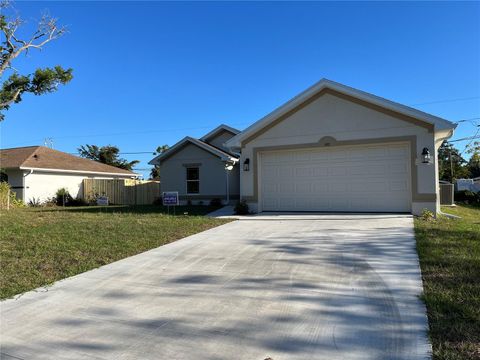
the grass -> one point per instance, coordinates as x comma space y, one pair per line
449, 252
41, 245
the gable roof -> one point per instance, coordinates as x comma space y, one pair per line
41, 157
218, 130
223, 155
421, 117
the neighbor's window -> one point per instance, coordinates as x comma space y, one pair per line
193, 180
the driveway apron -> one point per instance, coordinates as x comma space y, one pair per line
282, 286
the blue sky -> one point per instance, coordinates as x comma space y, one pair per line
150, 73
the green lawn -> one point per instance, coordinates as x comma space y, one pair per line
41, 245
449, 252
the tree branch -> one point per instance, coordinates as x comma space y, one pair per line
12, 100
47, 27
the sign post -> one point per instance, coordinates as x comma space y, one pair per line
170, 198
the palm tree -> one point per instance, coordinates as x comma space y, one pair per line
155, 172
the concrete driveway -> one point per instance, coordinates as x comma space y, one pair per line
286, 287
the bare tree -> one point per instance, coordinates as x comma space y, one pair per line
42, 80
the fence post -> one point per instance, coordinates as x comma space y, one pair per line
135, 192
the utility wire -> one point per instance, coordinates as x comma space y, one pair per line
476, 136
447, 101
472, 120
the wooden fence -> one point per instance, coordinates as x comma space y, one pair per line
122, 191
5, 198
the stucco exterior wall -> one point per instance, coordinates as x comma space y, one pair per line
173, 174
15, 179
344, 120
44, 185
219, 139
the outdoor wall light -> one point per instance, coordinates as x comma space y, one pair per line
229, 166
426, 158
246, 164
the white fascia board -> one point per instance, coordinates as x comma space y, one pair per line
80, 172
156, 159
223, 156
438, 123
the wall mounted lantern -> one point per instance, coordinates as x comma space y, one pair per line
426, 158
246, 164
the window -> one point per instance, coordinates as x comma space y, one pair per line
193, 180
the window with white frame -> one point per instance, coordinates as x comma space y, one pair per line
193, 180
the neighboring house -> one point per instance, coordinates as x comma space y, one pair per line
37, 172
335, 148
197, 168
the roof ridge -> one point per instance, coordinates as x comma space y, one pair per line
21, 147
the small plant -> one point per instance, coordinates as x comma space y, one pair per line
34, 202
50, 202
216, 202
241, 208
427, 215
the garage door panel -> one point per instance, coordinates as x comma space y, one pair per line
397, 152
399, 167
303, 171
336, 170
398, 186
338, 187
288, 188
356, 178
339, 155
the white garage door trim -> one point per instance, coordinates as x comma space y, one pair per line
353, 178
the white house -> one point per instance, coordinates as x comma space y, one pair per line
37, 172
335, 148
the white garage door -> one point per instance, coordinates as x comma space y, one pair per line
364, 178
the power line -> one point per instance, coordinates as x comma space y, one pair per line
447, 101
467, 120
473, 138
133, 132
476, 136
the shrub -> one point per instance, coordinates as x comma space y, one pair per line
77, 202
158, 201
63, 197
216, 202
241, 208
467, 197
427, 215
